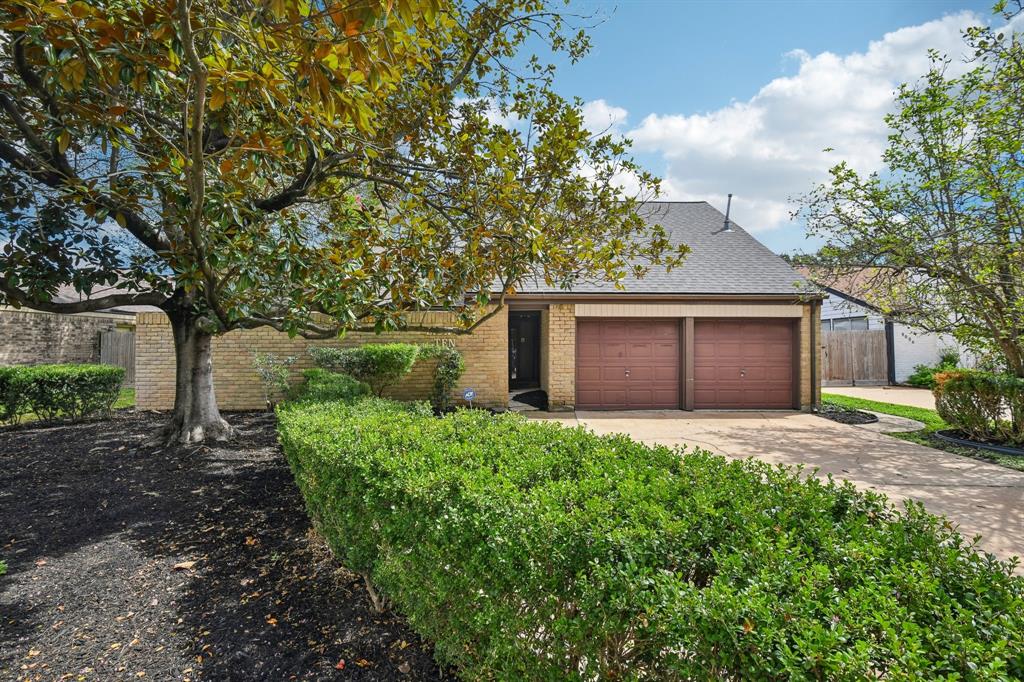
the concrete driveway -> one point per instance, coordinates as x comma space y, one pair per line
979, 498
898, 395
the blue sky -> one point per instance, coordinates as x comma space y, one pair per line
743, 96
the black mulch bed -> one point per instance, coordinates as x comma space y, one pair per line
100, 534
845, 415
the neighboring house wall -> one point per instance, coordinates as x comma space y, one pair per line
30, 337
915, 348
835, 307
238, 386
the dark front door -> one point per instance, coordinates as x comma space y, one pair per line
524, 349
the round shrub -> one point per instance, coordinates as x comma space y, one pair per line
985, 406
527, 551
381, 365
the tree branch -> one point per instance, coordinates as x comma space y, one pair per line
21, 299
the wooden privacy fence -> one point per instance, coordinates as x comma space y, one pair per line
118, 348
854, 357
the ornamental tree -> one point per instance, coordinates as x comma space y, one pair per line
314, 167
941, 230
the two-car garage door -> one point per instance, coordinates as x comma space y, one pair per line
640, 363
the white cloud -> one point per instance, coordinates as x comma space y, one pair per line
769, 148
601, 117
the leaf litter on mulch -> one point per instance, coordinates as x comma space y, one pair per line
129, 561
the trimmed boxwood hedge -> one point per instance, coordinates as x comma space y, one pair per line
525, 550
52, 392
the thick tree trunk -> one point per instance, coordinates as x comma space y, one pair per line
195, 417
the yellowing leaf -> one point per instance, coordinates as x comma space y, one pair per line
217, 99
73, 74
63, 141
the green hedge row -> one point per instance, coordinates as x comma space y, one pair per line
524, 550
985, 406
51, 392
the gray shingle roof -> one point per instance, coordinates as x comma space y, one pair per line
719, 262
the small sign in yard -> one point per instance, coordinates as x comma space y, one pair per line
468, 396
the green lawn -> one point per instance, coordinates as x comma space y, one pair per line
932, 421
125, 399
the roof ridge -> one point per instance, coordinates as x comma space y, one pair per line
666, 201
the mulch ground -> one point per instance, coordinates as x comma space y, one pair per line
845, 415
185, 563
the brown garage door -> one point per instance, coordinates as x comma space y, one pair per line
627, 364
743, 364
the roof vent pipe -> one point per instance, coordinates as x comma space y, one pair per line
728, 207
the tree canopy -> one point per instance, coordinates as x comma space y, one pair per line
940, 231
312, 166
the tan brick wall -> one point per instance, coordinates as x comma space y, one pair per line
238, 386
561, 356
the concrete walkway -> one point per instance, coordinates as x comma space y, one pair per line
898, 395
978, 497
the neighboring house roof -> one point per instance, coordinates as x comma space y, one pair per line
853, 285
719, 262
67, 294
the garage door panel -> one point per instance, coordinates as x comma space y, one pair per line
613, 373
667, 351
743, 363
640, 351
649, 349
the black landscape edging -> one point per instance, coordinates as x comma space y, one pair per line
1002, 449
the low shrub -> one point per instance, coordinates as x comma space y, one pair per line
524, 550
450, 368
324, 386
51, 392
381, 365
3, 568
12, 403
985, 406
924, 375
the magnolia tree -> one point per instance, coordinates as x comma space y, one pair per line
940, 231
313, 167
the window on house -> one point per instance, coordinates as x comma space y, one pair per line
849, 323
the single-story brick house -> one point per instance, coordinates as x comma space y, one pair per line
733, 328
